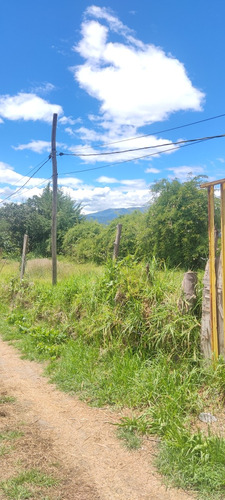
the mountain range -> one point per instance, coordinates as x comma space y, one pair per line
106, 216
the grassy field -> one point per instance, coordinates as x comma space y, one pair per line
116, 337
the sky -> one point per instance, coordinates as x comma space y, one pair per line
127, 79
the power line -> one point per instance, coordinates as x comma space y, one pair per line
37, 185
161, 131
107, 153
32, 169
18, 190
165, 130
126, 161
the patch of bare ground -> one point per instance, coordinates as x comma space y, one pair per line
74, 443
32, 448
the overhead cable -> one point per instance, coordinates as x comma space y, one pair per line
21, 187
126, 161
107, 153
164, 130
37, 185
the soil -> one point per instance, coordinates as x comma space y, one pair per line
64, 437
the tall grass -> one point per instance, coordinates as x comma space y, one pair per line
116, 337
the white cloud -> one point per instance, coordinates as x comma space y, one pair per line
68, 120
221, 160
182, 173
5, 191
94, 199
25, 106
135, 83
87, 134
69, 182
126, 194
132, 149
152, 171
107, 180
127, 184
70, 131
29, 193
134, 183
9, 176
44, 88
83, 149
114, 23
38, 146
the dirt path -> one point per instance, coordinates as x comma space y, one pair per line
96, 464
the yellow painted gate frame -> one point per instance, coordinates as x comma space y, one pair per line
212, 259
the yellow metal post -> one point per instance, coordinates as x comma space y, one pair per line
212, 271
222, 191
212, 260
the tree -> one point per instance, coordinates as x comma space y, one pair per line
132, 227
12, 227
177, 223
35, 217
95, 242
80, 242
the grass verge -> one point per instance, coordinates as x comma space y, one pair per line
119, 339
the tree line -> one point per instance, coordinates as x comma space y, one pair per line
173, 228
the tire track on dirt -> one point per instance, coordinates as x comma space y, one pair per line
83, 437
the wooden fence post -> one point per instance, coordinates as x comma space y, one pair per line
23, 263
117, 241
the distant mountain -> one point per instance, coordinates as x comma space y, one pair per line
106, 216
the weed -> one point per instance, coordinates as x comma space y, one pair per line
194, 461
9, 435
5, 450
6, 399
132, 441
24, 485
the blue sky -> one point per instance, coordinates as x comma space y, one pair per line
114, 72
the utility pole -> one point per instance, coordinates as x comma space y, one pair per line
54, 201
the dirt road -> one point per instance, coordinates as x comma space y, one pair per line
96, 464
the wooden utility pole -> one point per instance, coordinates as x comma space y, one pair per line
23, 263
54, 201
117, 241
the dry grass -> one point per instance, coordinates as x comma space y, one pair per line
41, 269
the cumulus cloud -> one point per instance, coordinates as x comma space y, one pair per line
44, 88
131, 150
71, 182
69, 120
25, 106
38, 146
107, 180
126, 193
182, 173
94, 199
135, 83
126, 184
152, 170
9, 176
